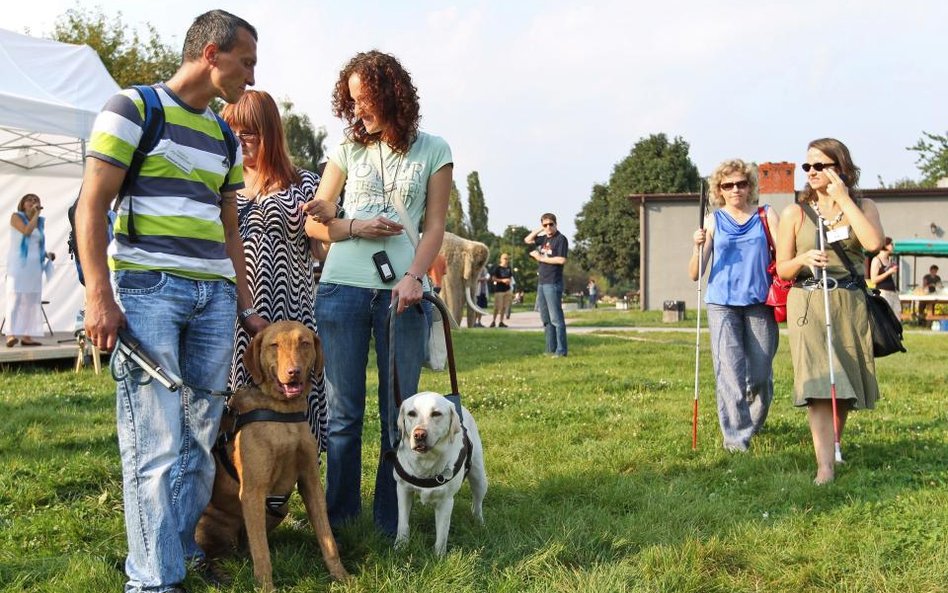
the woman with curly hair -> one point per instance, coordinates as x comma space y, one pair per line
393, 175
852, 223
743, 329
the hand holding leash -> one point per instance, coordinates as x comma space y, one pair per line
133, 350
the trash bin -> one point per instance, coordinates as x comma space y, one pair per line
673, 311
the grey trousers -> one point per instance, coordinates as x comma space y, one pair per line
743, 345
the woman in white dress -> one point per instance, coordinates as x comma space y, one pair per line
26, 262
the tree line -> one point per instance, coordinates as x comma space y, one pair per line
607, 241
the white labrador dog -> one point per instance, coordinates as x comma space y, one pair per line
435, 453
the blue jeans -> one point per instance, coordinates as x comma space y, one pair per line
348, 317
165, 437
743, 345
550, 304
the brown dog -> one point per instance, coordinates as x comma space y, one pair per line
270, 453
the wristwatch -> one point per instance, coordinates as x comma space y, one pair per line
246, 314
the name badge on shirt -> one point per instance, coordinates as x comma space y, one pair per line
179, 158
837, 234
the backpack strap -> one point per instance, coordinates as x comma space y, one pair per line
152, 128
231, 141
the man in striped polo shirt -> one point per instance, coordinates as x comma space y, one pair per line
178, 283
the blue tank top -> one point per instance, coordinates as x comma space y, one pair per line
740, 256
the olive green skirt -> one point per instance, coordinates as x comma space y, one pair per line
853, 364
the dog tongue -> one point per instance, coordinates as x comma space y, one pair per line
291, 390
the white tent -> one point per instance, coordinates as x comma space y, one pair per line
50, 93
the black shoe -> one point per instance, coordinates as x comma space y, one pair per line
494, 324
502, 324
211, 573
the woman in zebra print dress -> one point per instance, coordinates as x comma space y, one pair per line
276, 248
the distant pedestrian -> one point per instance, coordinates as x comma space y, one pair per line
593, 290
481, 296
882, 272
502, 278
551, 251
931, 283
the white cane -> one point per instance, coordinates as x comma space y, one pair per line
829, 343
694, 412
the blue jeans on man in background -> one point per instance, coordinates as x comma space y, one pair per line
348, 317
550, 304
165, 437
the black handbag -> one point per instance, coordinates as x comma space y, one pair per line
884, 326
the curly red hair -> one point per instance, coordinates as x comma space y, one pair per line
389, 90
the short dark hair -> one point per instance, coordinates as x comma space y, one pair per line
215, 26
548, 216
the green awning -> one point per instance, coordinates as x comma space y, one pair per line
933, 247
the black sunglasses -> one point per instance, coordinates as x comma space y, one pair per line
742, 184
816, 166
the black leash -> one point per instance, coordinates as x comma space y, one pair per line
463, 462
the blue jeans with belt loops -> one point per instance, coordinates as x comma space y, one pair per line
550, 304
165, 437
348, 317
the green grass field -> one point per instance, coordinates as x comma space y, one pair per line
593, 483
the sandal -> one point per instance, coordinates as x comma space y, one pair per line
11, 341
30, 343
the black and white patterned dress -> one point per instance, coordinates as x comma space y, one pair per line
280, 275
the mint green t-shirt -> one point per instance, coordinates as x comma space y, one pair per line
365, 166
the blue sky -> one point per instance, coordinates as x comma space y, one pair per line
544, 98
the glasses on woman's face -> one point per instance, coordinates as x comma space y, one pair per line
742, 184
818, 167
248, 137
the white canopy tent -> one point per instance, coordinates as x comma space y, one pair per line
50, 94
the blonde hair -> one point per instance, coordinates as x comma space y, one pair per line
729, 167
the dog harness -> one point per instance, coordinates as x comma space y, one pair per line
463, 462
275, 502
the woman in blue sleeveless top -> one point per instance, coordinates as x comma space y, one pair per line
743, 329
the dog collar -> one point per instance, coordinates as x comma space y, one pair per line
463, 462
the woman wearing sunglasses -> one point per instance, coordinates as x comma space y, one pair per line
853, 224
743, 329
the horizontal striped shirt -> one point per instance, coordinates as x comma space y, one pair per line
177, 195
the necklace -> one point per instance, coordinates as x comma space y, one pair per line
829, 223
382, 168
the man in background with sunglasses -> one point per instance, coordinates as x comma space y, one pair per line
551, 250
